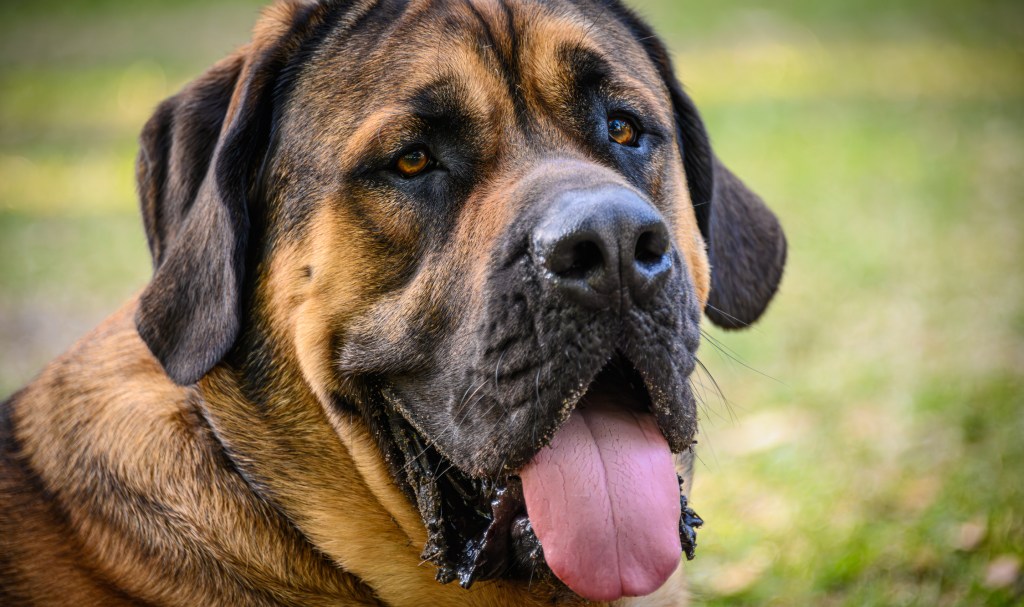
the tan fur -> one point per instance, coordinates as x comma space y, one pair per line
107, 403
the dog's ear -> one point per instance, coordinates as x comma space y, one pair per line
198, 160
745, 241
747, 249
746, 245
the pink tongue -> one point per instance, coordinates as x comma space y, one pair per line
603, 499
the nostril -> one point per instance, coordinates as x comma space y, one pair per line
576, 258
652, 264
651, 248
585, 258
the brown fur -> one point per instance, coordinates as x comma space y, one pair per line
189, 531
251, 486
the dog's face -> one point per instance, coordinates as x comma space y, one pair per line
485, 228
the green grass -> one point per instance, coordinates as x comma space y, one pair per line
869, 446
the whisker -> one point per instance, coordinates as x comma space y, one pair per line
721, 347
714, 455
729, 406
727, 315
497, 366
702, 406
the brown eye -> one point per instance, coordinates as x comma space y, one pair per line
413, 163
622, 131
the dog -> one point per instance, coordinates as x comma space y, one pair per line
427, 291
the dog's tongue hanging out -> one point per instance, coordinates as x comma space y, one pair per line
603, 499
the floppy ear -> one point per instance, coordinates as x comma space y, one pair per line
196, 168
747, 250
188, 315
746, 245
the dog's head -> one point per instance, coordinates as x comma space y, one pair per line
486, 231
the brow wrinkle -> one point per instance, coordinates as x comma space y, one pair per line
507, 56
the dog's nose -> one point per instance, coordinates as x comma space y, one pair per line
599, 246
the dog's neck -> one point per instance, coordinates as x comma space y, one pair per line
144, 494
321, 467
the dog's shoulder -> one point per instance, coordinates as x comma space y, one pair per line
105, 403
46, 429
114, 489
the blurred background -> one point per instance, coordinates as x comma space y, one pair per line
865, 442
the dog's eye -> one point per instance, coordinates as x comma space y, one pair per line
413, 162
622, 131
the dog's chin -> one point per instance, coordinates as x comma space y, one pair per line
479, 528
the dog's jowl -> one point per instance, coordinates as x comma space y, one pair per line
428, 280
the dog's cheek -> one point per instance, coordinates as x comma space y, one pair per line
687, 235
457, 293
315, 289
313, 346
293, 317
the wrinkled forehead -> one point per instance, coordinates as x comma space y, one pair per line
514, 57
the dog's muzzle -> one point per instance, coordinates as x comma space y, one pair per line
560, 459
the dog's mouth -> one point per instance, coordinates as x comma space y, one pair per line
600, 506
603, 495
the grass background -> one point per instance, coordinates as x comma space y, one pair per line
869, 446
